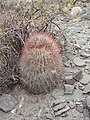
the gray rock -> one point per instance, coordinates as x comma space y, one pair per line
59, 106
81, 87
66, 64
64, 115
7, 102
60, 112
71, 105
87, 118
84, 102
57, 93
85, 112
79, 108
2, 113
85, 80
84, 54
79, 62
69, 79
87, 89
69, 89
88, 102
49, 117
56, 102
78, 75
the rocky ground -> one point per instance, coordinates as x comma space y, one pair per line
70, 103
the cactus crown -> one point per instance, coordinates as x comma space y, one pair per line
40, 63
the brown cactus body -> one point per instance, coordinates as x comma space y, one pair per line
40, 63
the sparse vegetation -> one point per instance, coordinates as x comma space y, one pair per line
17, 21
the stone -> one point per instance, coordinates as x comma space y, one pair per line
87, 118
49, 117
2, 113
85, 112
88, 102
78, 75
79, 62
60, 112
59, 106
87, 89
79, 108
66, 64
84, 54
85, 80
64, 115
84, 103
56, 102
69, 79
57, 93
7, 102
71, 105
81, 87
69, 89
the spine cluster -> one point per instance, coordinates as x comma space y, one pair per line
40, 63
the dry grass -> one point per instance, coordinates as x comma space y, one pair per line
17, 21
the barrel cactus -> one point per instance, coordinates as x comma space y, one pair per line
40, 63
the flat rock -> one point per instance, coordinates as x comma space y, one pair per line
57, 93
7, 102
2, 113
71, 105
78, 75
79, 62
59, 107
57, 101
79, 108
69, 79
85, 80
85, 112
88, 102
84, 54
87, 89
49, 117
69, 89
60, 112
64, 115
